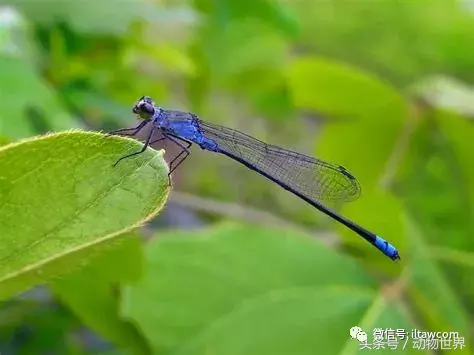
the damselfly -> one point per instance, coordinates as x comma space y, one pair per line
311, 179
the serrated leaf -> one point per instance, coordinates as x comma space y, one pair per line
120, 263
61, 201
227, 282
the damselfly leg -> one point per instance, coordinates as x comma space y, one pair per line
185, 151
147, 143
133, 130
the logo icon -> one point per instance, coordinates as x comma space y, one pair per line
358, 333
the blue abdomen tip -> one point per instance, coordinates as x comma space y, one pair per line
386, 248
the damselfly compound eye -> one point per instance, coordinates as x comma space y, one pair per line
144, 108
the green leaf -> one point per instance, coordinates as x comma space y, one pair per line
339, 90
288, 321
61, 201
216, 289
98, 307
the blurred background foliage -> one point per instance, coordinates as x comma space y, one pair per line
381, 87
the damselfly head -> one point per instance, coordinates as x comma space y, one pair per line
144, 108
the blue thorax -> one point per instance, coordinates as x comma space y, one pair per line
184, 128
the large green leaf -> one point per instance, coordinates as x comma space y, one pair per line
247, 290
98, 307
61, 201
295, 321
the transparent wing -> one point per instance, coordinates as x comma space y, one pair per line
311, 177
